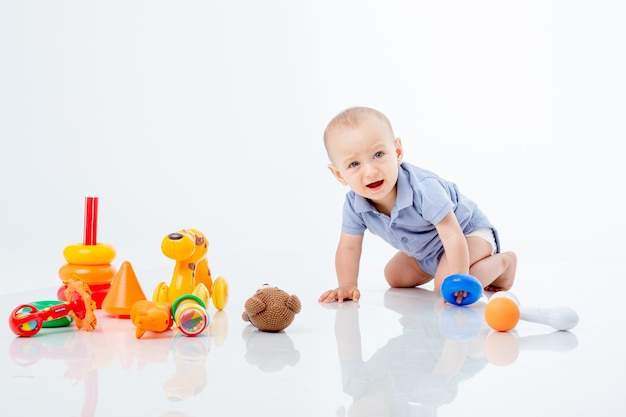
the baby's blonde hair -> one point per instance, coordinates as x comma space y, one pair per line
352, 117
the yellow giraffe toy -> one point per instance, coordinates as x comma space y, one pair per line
192, 275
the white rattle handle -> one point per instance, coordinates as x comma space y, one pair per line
561, 318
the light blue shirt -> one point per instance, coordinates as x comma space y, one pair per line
422, 201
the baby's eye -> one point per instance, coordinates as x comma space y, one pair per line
353, 164
378, 155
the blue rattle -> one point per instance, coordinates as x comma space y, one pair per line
461, 282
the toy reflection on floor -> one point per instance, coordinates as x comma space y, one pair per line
503, 348
91, 260
83, 355
189, 355
27, 319
190, 375
270, 352
420, 370
86, 354
218, 328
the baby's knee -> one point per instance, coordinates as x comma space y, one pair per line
511, 258
405, 275
392, 275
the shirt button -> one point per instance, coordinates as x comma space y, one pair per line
404, 239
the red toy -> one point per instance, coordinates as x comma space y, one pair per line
90, 260
26, 320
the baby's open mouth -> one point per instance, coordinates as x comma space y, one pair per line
375, 184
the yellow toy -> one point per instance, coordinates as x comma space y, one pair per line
188, 247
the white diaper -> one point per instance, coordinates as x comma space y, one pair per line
486, 234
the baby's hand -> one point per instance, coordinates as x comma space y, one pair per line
460, 295
340, 294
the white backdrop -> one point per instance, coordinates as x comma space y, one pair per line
209, 114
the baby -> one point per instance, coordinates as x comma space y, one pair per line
437, 230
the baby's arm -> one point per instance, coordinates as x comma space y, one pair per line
455, 248
347, 259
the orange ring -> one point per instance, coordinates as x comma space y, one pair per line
89, 274
79, 254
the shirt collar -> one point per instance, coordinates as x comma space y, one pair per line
405, 191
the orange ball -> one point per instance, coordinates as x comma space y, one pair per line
502, 314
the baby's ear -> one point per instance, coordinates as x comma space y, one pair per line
337, 174
399, 151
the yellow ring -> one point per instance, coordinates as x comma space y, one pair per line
89, 274
79, 254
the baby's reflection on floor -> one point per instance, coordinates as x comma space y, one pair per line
415, 372
440, 346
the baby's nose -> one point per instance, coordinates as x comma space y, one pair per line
371, 170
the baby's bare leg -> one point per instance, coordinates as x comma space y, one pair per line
403, 271
496, 272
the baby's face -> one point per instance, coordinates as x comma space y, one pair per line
366, 158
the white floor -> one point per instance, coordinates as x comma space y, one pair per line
396, 353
